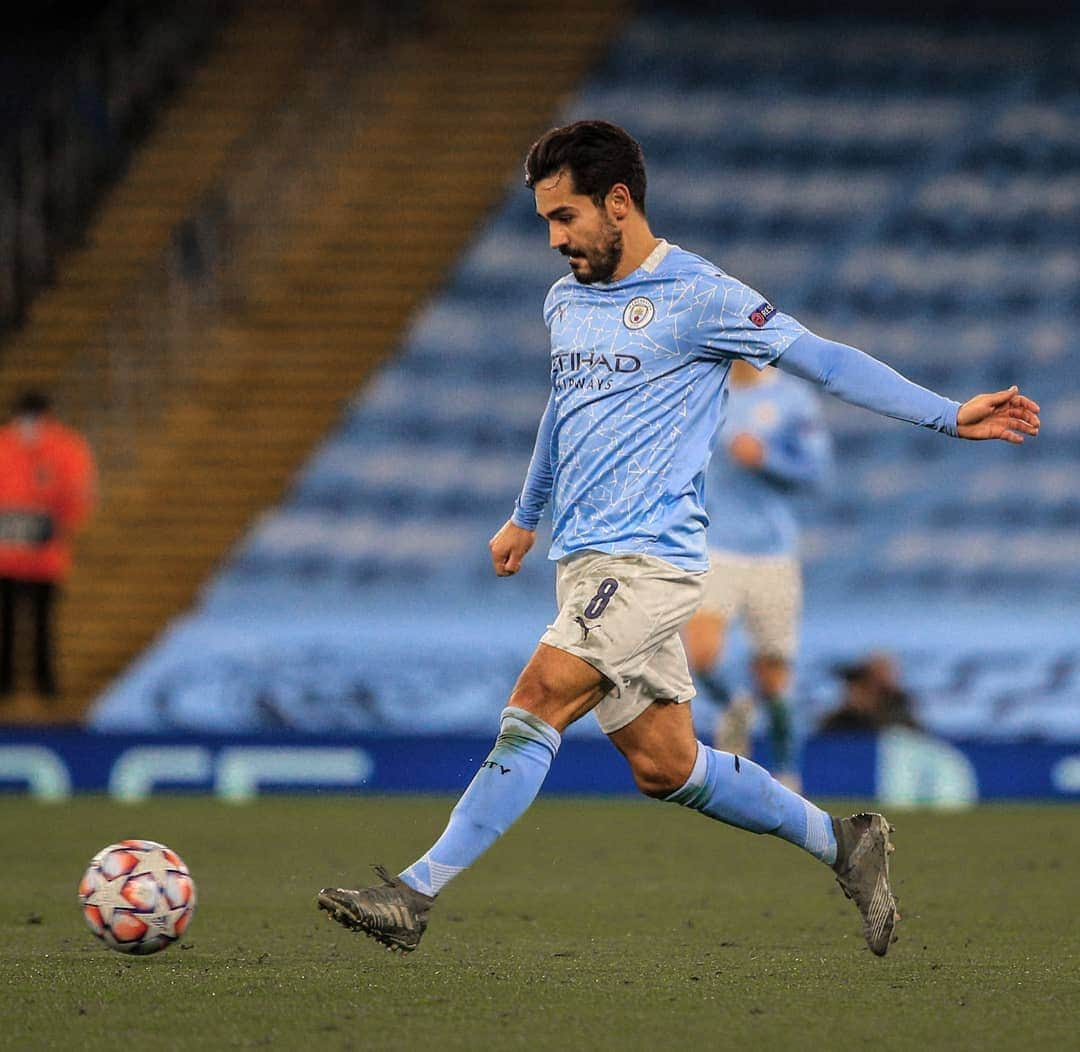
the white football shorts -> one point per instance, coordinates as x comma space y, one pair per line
765, 591
622, 614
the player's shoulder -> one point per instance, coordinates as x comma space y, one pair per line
704, 274
682, 262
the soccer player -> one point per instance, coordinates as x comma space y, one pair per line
643, 336
772, 448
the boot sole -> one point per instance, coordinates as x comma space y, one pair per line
349, 920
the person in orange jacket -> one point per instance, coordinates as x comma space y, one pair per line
47, 476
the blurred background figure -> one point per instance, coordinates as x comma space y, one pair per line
914, 768
772, 449
46, 492
872, 698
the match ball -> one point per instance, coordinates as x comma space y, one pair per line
137, 896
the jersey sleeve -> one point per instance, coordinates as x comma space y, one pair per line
737, 322
536, 491
856, 377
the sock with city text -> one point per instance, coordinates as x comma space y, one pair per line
499, 794
737, 791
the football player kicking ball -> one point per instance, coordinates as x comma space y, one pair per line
643, 334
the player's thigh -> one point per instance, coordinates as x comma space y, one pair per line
774, 609
559, 687
665, 677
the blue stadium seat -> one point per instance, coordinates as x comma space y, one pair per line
911, 193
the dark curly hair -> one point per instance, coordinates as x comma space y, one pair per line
597, 154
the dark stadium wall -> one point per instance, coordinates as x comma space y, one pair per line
959, 12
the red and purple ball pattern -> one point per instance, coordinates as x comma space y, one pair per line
137, 896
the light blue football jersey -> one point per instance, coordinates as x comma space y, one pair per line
638, 371
754, 511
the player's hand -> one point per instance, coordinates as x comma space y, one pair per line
747, 450
509, 546
1007, 415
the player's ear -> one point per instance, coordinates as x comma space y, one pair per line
619, 201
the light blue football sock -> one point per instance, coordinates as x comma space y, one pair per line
739, 792
500, 792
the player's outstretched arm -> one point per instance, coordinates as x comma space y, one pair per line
1007, 415
855, 377
509, 547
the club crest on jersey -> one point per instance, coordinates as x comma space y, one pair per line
760, 315
639, 312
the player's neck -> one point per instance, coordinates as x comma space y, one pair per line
639, 243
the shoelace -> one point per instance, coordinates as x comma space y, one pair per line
382, 873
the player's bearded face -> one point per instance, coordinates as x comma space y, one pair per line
597, 258
584, 232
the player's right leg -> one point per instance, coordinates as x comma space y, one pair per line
613, 611
554, 689
669, 763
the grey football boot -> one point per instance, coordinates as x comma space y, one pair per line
391, 913
862, 871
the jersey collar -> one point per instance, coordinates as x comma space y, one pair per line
656, 256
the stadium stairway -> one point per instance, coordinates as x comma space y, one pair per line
254, 59
409, 162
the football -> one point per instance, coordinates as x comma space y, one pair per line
137, 896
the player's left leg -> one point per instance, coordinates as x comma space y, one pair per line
669, 763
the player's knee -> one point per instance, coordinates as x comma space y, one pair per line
658, 778
536, 694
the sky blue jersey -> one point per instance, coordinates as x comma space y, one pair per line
638, 382
754, 511
638, 368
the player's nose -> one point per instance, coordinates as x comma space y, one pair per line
556, 237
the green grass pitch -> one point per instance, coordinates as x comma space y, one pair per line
594, 924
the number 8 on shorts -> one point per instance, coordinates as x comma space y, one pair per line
598, 604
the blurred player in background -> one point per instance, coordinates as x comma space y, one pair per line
772, 448
643, 336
